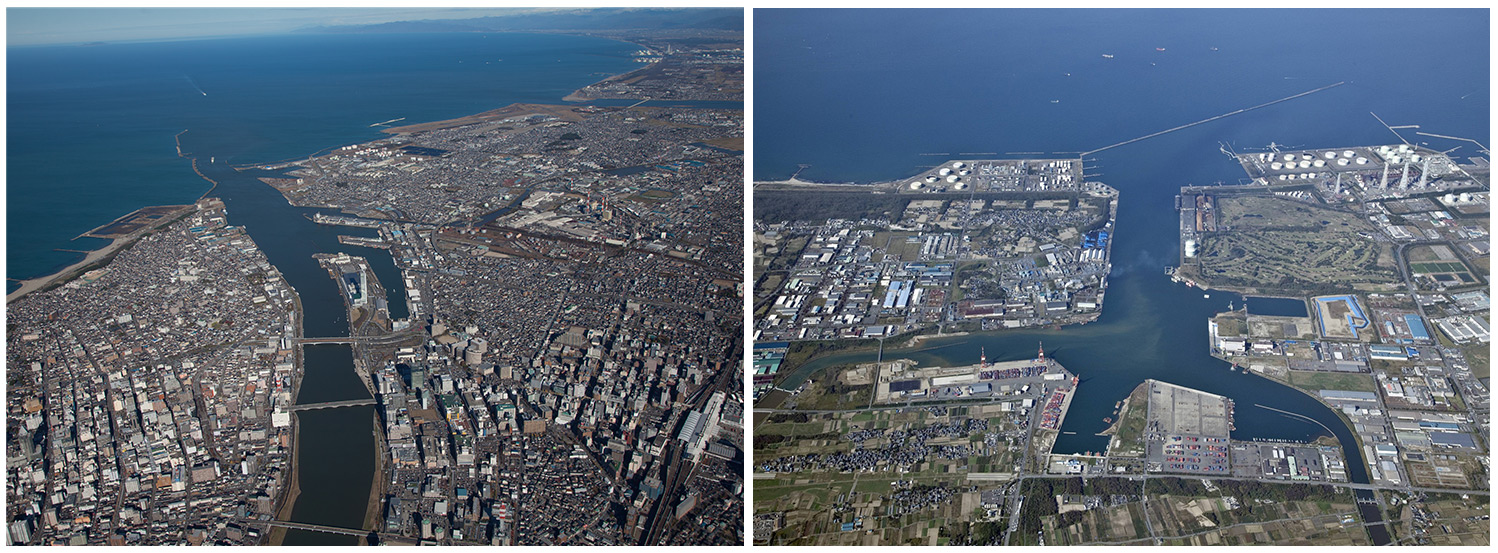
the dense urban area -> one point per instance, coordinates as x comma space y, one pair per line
570, 371
147, 400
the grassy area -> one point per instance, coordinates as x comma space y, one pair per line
1131, 425
1479, 356
801, 352
1313, 381
1266, 212
1231, 324
1317, 261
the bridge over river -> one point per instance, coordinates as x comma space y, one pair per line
331, 404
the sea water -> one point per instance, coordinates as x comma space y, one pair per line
860, 96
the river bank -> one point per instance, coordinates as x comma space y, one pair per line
293, 488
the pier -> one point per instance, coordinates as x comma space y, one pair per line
1210, 119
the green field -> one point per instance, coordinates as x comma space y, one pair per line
1438, 267
1312, 381
1245, 213
1301, 260
1272, 243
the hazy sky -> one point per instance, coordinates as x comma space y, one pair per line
62, 25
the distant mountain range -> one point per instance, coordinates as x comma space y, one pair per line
580, 19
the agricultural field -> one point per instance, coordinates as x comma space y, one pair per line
1445, 520
886, 503
1208, 522
1195, 512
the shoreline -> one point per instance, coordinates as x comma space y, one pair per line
100, 258
577, 96
93, 260
375, 505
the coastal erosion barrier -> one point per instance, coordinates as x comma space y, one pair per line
195, 169
1211, 119
1300, 417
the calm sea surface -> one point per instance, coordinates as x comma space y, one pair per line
90, 138
91, 128
859, 96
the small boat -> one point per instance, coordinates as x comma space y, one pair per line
1159, 49
1055, 101
1206, 296
1214, 48
1108, 420
1109, 56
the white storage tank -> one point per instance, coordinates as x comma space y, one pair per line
1276, 165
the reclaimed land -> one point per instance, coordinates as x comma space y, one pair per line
1275, 244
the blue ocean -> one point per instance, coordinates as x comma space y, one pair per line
860, 96
94, 134
91, 127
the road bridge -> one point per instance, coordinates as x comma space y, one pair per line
331, 404
332, 340
309, 527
